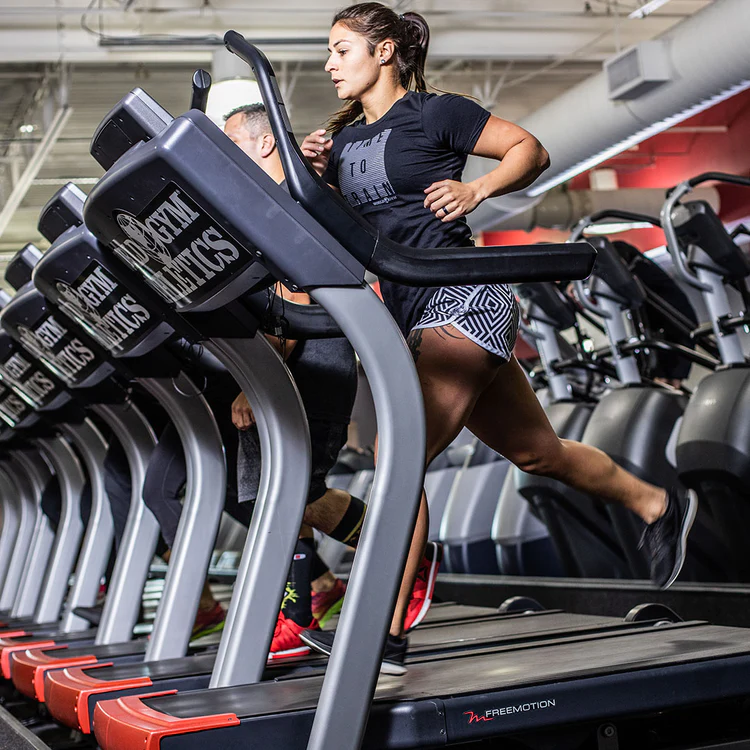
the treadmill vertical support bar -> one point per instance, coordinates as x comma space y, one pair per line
97, 542
69, 529
375, 579
141, 529
11, 517
27, 506
35, 563
285, 481
201, 513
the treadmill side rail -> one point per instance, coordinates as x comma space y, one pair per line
126, 723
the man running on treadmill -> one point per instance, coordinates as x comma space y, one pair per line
325, 373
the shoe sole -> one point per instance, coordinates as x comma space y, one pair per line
299, 651
315, 646
332, 611
424, 609
389, 667
687, 524
386, 667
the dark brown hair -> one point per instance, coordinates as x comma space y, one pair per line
376, 22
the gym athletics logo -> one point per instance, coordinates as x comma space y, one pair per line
177, 248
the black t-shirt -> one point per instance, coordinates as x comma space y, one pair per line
382, 170
325, 372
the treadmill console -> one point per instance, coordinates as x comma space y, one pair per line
75, 275
136, 117
54, 340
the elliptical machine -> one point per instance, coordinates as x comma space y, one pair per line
579, 527
713, 445
636, 424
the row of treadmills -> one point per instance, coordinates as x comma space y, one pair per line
176, 246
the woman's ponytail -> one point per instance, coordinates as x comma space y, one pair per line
415, 52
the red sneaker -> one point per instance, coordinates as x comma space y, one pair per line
286, 641
208, 621
424, 586
326, 604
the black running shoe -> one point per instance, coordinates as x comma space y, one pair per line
393, 654
665, 539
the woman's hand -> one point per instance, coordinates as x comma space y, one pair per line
317, 149
449, 199
242, 413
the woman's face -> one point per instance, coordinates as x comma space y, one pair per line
353, 69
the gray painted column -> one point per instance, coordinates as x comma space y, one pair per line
141, 533
39, 472
354, 664
273, 534
27, 512
201, 513
69, 530
97, 542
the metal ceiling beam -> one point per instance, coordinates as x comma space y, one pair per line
32, 168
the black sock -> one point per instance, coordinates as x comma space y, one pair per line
297, 602
319, 568
350, 526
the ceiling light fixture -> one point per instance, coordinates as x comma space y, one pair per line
647, 8
26, 128
636, 138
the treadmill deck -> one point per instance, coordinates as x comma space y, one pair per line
496, 690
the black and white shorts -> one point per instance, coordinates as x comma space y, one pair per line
486, 314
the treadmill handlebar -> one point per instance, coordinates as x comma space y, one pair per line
201, 85
293, 320
392, 260
673, 244
734, 179
670, 233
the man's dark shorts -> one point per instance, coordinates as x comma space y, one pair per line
326, 441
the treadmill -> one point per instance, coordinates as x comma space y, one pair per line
203, 508
71, 265
444, 699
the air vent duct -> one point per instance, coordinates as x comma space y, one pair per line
637, 70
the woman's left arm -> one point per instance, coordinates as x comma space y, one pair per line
522, 159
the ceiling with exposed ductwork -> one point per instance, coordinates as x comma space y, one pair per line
513, 55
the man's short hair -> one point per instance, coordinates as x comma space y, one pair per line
254, 118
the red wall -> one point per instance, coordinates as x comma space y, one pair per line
669, 158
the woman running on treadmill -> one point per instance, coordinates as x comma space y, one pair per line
325, 373
396, 156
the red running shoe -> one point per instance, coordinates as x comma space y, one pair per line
326, 604
424, 586
286, 641
208, 621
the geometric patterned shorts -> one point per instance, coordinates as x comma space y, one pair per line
487, 314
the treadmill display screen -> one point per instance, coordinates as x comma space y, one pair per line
178, 248
60, 350
12, 408
103, 308
28, 381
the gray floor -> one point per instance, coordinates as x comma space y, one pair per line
14, 736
